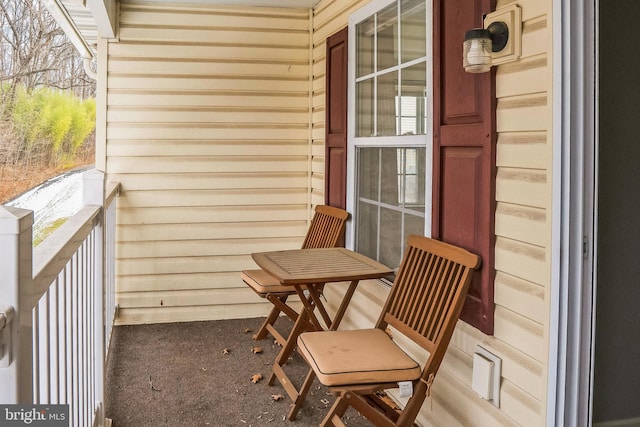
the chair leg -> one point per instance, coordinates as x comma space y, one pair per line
302, 394
334, 417
369, 407
270, 320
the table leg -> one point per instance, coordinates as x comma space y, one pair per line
297, 396
301, 325
343, 305
308, 306
315, 296
306, 321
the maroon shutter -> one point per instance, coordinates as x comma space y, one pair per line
336, 121
464, 151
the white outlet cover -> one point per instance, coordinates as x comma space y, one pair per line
494, 382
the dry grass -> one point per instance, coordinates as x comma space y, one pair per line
15, 180
19, 176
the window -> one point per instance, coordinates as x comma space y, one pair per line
390, 128
402, 177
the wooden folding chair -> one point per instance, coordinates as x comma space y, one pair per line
424, 304
326, 231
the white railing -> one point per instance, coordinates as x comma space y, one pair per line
60, 298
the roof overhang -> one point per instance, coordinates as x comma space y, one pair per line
85, 20
295, 4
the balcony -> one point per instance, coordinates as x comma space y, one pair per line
58, 343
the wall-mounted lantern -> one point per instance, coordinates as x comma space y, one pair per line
498, 42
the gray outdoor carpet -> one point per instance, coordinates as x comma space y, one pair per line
200, 374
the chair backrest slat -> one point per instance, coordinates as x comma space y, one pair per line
428, 293
326, 227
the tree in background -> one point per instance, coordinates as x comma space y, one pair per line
47, 110
35, 52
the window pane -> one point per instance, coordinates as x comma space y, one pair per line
390, 237
414, 174
367, 232
369, 173
412, 105
364, 107
364, 47
413, 225
388, 37
413, 28
386, 100
391, 189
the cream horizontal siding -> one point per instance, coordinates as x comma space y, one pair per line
202, 165
198, 214
160, 314
523, 216
208, 111
523, 235
150, 283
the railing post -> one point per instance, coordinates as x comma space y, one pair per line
16, 265
93, 194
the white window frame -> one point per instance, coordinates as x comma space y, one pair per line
425, 141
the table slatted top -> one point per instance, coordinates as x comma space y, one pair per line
307, 266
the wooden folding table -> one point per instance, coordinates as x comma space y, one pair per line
308, 270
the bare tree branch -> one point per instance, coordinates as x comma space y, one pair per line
35, 52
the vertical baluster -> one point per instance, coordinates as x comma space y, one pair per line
41, 350
81, 334
95, 339
36, 353
73, 386
90, 325
45, 361
80, 354
54, 343
88, 383
85, 333
77, 350
64, 334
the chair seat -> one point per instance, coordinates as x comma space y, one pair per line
264, 283
359, 356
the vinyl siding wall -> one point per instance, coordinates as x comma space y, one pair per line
523, 235
207, 128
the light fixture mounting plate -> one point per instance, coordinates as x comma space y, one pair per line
511, 16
